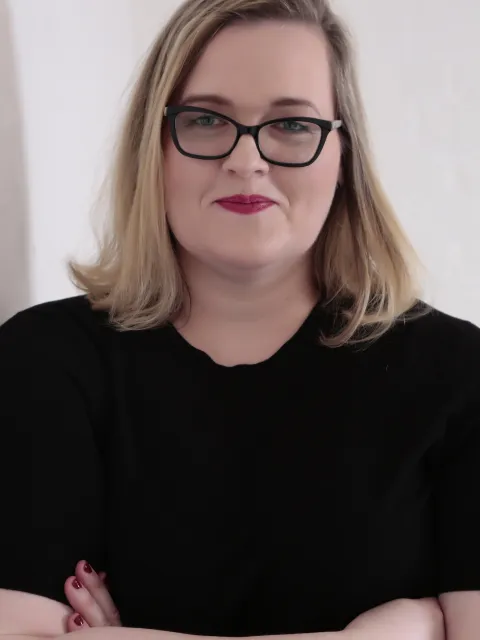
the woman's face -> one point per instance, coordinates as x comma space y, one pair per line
249, 67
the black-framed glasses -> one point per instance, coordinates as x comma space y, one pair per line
209, 135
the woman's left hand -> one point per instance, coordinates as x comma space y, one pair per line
90, 600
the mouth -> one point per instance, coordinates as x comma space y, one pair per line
245, 207
247, 199
246, 204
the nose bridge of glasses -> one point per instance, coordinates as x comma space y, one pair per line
244, 130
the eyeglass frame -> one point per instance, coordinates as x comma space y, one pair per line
326, 126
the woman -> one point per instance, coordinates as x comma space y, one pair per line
250, 422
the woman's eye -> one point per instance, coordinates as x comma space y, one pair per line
205, 120
291, 126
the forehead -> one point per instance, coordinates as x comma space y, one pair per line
253, 65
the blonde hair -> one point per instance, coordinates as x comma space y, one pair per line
363, 264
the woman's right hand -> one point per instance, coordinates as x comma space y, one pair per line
90, 600
397, 620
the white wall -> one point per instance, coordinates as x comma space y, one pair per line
64, 68
148, 16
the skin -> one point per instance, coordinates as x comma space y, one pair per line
250, 276
90, 599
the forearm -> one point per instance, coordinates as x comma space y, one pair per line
367, 632
124, 633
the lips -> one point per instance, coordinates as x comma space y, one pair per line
247, 199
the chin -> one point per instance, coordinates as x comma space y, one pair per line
250, 262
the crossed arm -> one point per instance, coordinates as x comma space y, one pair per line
28, 617
457, 618
23, 616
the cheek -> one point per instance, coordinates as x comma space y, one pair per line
311, 189
184, 180
187, 185
325, 171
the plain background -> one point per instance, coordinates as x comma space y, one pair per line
66, 67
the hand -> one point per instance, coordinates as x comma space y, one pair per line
90, 600
413, 619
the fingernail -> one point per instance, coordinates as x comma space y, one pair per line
79, 621
87, 568
76, 584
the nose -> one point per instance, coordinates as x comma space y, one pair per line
245, 160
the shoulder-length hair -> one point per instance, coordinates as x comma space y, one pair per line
363, 264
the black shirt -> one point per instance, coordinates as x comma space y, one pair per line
283, 497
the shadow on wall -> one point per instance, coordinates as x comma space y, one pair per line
14, 241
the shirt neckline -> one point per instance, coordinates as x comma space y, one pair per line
306, 336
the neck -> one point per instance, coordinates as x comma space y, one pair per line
247, 297
245, 315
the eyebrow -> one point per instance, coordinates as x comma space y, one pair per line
212, 98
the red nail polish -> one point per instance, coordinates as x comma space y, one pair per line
76, 584
87, 568
79, 621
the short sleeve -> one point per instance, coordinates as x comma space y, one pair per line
51, 476
457, 500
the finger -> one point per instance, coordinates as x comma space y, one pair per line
75, 622
83, 603
91, 580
